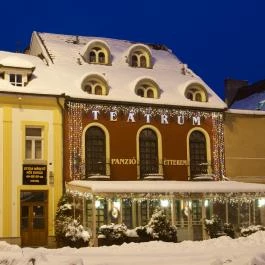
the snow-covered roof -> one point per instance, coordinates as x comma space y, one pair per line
60, 68
256, 101
166, 187
16, 62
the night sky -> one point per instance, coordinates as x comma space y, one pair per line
217, 39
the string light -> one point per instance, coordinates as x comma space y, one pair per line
76, 112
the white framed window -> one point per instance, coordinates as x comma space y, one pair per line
34, 143
15, 79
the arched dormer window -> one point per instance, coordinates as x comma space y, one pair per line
147, 88
196, 92
95, 85
140, 56
97, 52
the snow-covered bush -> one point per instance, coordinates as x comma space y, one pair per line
214, 227
69, 231
246, 231
114, 233
158, 228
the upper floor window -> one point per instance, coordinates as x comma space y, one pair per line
196, 93
148, 144
140, 56
95, 151
16, 70
147, 89
34, 143
97, 52
95, 85
198, 153
15, 79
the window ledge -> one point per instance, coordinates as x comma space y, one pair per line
96, 177
153, 177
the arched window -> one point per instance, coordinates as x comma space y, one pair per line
148, 147
196, 93
150, 93
198, 153
95, 151
92, 57
140, 56
147, 88
95, 85
97, 52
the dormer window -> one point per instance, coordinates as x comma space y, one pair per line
95, 85
97, 52
97, 55
15, 79
147, 89
140, 56
196, 93
16, 70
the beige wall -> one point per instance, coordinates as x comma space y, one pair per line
245, 146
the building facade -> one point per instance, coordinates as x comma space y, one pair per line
244, 131
126, 126
31, 158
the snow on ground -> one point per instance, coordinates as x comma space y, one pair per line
224, 250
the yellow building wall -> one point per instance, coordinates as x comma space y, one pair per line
15, 113
245, 147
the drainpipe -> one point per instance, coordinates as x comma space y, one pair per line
61, 106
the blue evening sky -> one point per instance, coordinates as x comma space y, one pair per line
216, 38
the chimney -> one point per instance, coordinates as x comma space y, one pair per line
231, 88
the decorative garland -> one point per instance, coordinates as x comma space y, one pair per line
76, 111
230, 197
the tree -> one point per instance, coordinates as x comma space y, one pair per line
159, 228
68, 230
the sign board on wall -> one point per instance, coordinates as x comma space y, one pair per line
34, 174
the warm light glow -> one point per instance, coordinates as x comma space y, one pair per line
164, 203
206, 203
117, 205
261, 202
97, 204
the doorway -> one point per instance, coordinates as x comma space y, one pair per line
33, 218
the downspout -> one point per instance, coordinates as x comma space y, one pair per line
61, 106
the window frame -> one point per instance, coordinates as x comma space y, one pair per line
33, 140
194, 91
95, 82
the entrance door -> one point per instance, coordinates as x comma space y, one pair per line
33, 220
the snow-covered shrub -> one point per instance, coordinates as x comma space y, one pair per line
229, 230
158, 228
114, 233
246, 231
69, 231
214, 226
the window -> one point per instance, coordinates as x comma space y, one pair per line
198, 154
147, 89
15, 79
97, 52
196, 93
95, 151
97, 55
95, 85
148, 153
34, 143
140, 56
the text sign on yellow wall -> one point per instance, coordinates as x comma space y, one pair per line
34, 174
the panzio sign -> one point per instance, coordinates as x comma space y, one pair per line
34, 174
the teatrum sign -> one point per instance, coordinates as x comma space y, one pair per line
131, 117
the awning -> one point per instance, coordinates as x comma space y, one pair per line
165, 187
